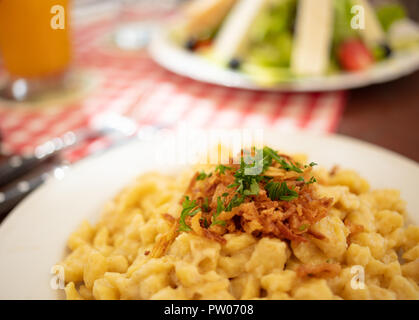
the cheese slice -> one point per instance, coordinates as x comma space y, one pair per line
403, 34
373, 33
313, 37
234, 35
203, 16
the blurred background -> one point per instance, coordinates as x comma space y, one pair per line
57, 80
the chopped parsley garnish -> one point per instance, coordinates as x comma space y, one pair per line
267, 179
280, 191
188, 207
289, 166
202, 175
246, 183
235, 202
312, 164
253, 189
205, 205
220, 208
222, 169
312, 180
205, 222
303, 227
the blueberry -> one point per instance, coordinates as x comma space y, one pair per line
191, 44
234, 64
386, 50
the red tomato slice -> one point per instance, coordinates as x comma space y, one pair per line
353, 55
202, 44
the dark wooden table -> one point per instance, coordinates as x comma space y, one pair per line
386, 115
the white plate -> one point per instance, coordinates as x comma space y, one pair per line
33, 238
180, 61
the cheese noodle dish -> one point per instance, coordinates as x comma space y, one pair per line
293, 231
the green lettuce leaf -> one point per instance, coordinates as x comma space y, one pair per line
342, 27
274, 53
390, 13
271, 35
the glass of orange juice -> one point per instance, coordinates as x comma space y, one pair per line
34, 45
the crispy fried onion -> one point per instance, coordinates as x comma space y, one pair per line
323, 270
353, 229
165, 241
258, 214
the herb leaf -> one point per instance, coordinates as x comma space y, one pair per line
235, 202
289, 166
220, 208
188, 207
280, 191
205, 205
312, 180
222, 168
201, 176
253, 189
303, 227
205, 222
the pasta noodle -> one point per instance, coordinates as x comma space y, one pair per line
135, 251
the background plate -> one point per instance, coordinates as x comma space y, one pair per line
178, 60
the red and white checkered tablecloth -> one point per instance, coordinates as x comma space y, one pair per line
133, 85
